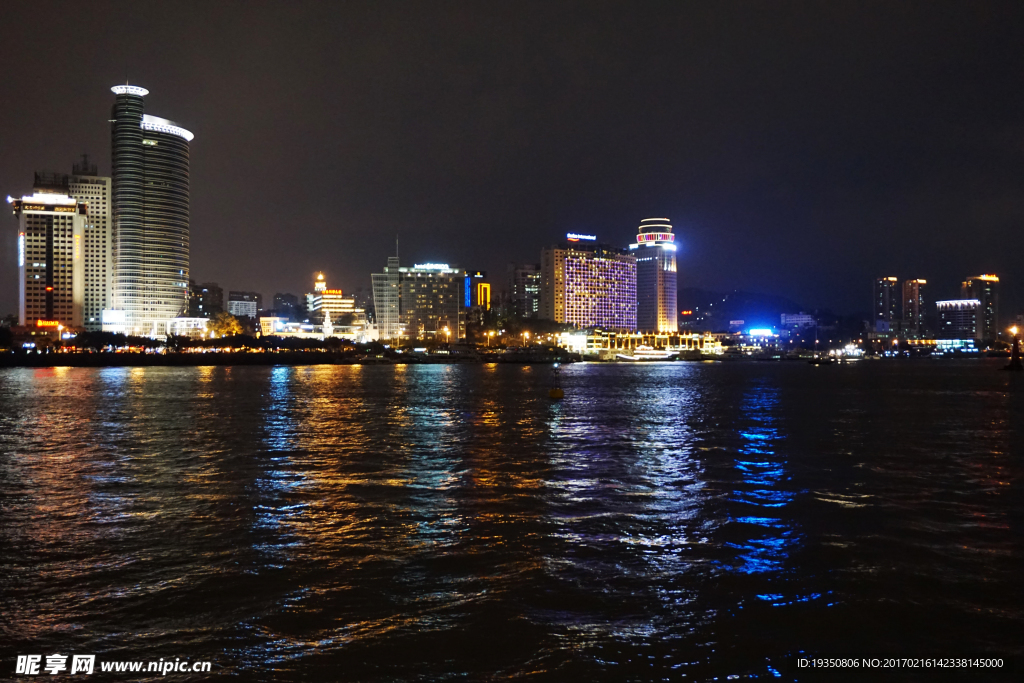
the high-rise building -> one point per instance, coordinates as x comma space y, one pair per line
887, 299
588, 284
426, 301
386, 300
51, 259
205, 300
84, 185
150, 207
984, 288
247, 304
655, 253
524, 289
958, 319
913, 307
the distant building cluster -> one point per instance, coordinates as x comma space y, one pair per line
111, 254
900, 310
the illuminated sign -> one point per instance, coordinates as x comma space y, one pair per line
21, 249
332, 291
483, 295
686, 312
761, 332
47, 323
431, 266
129, 90
655, 237
576, 237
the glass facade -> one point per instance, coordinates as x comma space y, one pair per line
150, 207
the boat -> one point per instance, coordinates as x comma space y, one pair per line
646, 353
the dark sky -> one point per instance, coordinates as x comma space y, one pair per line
800, 149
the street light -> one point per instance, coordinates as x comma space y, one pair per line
448, 334
526, 338
1015, 362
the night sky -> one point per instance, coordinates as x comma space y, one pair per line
800, 149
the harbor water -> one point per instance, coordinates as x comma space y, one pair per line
662, 522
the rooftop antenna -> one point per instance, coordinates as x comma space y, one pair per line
396, 244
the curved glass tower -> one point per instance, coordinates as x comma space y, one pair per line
150, 207
655, 252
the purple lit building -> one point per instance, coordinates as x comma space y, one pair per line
588, 284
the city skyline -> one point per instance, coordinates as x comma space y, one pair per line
779, 201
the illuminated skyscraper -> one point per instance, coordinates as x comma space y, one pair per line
51, 259
588, 284
984, 288
86, 186
913, 306
655, 253
887, 300
150, 170
426, 301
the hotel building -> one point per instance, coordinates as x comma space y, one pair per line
958, 319
655, 253
150, 215
342, 309
85, 186
51, 259
984, 288
588, 284
426, 301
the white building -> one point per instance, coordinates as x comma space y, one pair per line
795, 320
85, 186
248, 309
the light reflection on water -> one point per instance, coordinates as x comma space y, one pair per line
396, 523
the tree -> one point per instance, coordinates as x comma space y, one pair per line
225, 325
